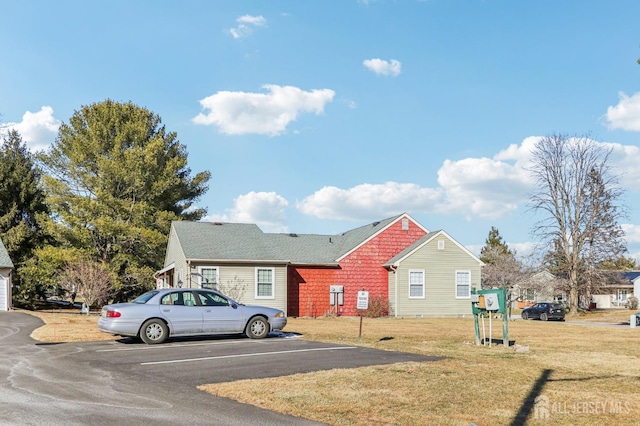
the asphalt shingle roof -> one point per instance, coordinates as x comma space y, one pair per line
631, 275
238, 241
5, 261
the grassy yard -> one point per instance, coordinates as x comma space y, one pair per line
587, 375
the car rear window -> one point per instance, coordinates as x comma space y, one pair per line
142, 299
557, 306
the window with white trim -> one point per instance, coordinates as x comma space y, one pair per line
265, 283
208, 277
416, 283
463, 284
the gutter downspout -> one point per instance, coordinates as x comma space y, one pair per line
188, 272
395, 289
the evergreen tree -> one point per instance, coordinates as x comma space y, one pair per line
621, 263
494, 247
116, 179
22, 206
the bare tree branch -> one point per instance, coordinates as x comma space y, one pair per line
577, 194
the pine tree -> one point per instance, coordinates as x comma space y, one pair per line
116, 179
22, 206
494, 247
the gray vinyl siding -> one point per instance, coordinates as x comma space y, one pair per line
440, 268
244, 276
176, 255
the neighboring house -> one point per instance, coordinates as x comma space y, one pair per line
539, 287
6, 268
615, 294
293, 272
634, 278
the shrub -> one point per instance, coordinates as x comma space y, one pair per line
632, 303
378, 307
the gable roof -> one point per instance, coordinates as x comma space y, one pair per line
631, 275
395, 260
223, 241
5, 260
246, 242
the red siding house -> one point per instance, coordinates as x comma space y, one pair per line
295, 272
358, 266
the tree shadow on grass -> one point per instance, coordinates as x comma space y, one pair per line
530, 401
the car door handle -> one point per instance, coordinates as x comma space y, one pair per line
166, 310
207, 310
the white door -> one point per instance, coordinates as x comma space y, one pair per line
4, 303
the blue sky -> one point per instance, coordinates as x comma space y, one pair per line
321, 116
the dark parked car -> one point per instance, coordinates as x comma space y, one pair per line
159, 314
544, 311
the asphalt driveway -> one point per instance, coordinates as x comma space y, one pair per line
128, 382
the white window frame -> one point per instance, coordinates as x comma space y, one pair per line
273, 283
216, 284
421, 271
457, 284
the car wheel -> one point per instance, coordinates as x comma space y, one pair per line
543, 317
638, 321
525, 316
257, 328
154, 331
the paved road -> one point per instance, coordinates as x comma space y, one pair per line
127, 382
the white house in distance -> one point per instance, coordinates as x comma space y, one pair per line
6, 267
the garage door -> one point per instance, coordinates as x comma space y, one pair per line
4, 305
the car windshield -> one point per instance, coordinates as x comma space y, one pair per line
142, 299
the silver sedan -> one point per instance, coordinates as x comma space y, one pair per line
159, 314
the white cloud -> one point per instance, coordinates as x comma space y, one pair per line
38, 129
265, 209
521, 154
382, 67
632, 237
238, 113
246, 24
483, 187
624, 160
631, 233
369, 201
625, 115
474, 187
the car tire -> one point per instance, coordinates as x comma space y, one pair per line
638, 320
257, 328
543, 317
525, 316
154, 331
